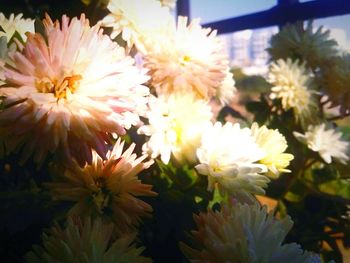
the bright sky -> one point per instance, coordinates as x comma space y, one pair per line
213, 10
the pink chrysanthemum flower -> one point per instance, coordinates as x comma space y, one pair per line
108, 188
187, 59
68, 91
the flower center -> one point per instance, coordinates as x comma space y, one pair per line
101, 200
185, 60
101, 197
59, 88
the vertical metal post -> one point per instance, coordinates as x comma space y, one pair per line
183, 8
283, 6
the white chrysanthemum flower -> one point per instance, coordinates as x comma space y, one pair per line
187, 59
273, 143
15, 24
327, 142
169, 3
228, 156
244, 233
227, 89
175, 126
137, 20
291, 82
66, 95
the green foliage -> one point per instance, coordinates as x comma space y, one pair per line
250, 84
260, 109
3, 47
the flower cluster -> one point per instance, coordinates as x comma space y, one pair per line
71, 97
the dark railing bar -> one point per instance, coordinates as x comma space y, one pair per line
282, 14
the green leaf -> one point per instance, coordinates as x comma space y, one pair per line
217, 198
86, 2
17, 36
225, 111
282, 209
183, 177
339, 187
198, 199
260, 109
297, 192
3, 47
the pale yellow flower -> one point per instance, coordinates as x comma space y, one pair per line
137, 20
86, 241
175, 126
187, 59
291, 82
15, 24
228, 155
327, 142
274, 144
66, 95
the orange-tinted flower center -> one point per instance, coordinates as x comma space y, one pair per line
59, 88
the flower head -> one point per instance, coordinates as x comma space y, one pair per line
66, 95
228, 156
8, 27
175, 126
335, 79
137, 20
244, 233
273, 143
85, 241
107, 188
327, 142
227, 89
291, 83
187, 59
169, 3
299, 42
